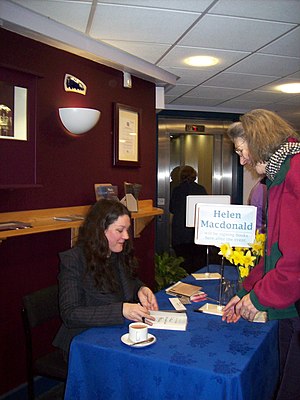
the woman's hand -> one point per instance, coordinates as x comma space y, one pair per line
246, 309
229, 313
237, 308
136, 312
147, 298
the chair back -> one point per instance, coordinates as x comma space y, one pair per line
42, 305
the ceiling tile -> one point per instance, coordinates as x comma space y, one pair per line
262, 64
73, 14
277, 10
267, 97
241, 81
150, 52
186, 5
179, 90
196, 101
230, 33
243, 106
211, 92
294, 76
190, 76
288, 45
112, 22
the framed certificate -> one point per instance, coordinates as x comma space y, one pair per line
126, 136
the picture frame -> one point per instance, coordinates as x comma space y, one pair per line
18, 128
126, 136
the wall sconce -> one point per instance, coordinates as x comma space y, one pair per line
79, 120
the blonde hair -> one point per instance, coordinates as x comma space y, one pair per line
265, 132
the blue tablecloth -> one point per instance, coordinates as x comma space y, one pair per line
211, 360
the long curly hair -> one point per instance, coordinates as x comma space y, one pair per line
95, 245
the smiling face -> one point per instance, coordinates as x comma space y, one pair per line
117, 233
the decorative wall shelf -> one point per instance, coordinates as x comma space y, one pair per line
44, 220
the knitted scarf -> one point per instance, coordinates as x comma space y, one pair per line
276, 160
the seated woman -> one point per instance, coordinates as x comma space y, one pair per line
97, 284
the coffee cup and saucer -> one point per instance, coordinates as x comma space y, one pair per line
138, 335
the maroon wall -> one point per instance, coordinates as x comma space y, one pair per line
66, 169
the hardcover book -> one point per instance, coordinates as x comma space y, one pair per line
183, 289
106, 191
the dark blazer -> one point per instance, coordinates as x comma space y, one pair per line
180, 233
82, 305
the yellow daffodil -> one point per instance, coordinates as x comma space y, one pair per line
244, 271
245, 258
238, 257
226, 251
249, 259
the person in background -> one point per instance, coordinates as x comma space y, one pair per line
258, 198
272, 147
174, 178
183, 237
97, 282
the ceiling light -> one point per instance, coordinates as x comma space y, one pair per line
201, 61
290, 88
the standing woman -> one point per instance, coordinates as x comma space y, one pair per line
97, 283
271, 146
183, 243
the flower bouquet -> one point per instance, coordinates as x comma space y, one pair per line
245, 258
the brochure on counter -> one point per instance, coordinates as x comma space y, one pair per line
169, 320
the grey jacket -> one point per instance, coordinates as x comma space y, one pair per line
82, 305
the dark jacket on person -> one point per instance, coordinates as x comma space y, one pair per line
82, 304
180, 233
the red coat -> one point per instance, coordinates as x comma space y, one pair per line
274, 284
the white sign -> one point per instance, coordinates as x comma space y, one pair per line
192, 200
217, 224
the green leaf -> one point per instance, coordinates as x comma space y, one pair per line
168, 270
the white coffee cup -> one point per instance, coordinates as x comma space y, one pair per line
138, 331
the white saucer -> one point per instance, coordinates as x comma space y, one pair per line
125, 339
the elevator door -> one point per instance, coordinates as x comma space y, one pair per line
201, 144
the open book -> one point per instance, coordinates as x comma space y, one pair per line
170, 320
183, 289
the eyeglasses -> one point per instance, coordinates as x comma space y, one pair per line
239, 152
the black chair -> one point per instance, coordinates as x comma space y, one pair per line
39, 308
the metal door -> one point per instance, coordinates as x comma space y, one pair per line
201, 144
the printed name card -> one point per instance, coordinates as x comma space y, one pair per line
217, 224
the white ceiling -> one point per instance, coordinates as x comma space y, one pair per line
256, 41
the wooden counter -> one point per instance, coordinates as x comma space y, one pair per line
43, 220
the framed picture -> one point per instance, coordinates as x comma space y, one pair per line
17, 128
126, 136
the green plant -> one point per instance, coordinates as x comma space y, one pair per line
168, 270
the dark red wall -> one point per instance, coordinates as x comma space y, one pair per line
66, 169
